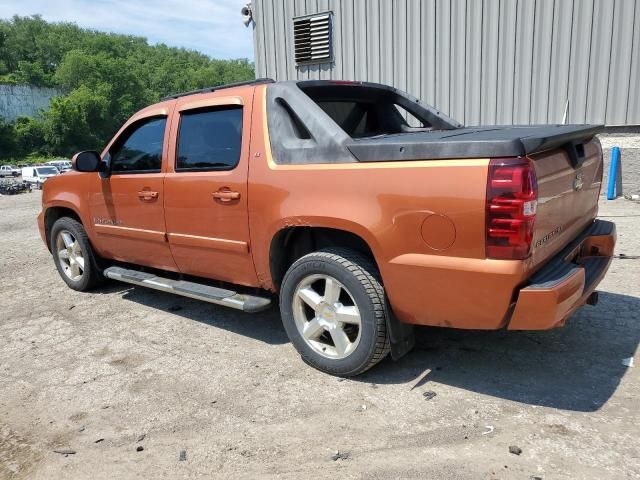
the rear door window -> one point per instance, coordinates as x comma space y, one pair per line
209, 139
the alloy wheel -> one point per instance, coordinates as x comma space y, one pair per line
326, 316
70, 255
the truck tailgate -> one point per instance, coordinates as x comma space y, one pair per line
567, 198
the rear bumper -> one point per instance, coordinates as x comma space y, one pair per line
566, 281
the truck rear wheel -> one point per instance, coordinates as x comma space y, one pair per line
333, 309
73, 255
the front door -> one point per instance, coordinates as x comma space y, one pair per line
206, 195
127, 210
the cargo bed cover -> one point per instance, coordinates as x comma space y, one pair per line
471, 142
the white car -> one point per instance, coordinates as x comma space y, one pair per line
38, 175
8, 171
61, 165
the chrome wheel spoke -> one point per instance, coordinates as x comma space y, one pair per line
348, 315
313, 329
75, 248
75, 269
331, 290
67, 239
80, 262
310, 297
340, 340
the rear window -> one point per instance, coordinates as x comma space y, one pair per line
210, 139
358, 119
366, 111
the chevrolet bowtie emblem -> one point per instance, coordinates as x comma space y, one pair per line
578, 182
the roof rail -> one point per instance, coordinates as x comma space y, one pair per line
257, 81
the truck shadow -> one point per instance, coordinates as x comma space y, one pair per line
265, 326
577, 367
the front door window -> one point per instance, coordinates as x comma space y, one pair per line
140, 149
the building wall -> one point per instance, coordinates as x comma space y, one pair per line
24, 100
480, 61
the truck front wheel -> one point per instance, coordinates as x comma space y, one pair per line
333, 309
73, 255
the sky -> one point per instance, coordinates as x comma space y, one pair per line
213, 27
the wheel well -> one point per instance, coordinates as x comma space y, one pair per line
290, 244
54, 213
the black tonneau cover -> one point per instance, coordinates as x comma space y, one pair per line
473, 142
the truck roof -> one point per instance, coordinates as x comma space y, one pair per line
257, 81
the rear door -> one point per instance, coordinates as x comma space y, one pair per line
127, 209
206, 188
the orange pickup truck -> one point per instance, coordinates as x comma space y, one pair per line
365, 210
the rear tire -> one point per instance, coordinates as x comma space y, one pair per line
73, 255
333, 310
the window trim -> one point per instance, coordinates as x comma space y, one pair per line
203, 109
132, 125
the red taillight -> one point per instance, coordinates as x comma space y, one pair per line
512, 200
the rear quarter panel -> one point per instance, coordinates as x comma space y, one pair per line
394, 207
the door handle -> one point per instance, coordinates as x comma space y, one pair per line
147, 195
226, 195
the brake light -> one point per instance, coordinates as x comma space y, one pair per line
512, 201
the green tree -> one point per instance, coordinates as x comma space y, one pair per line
29, 137
7, 140
106, 77
77, 121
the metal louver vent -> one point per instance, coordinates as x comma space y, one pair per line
312, 38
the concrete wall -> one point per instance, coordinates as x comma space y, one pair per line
24, 100
480, 61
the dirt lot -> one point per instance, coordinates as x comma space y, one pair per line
105, 373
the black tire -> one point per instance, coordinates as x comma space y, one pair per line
359, 275
91, 274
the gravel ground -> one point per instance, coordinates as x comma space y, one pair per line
214, 393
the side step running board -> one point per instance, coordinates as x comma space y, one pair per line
219, 296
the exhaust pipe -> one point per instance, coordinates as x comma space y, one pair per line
593, 299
